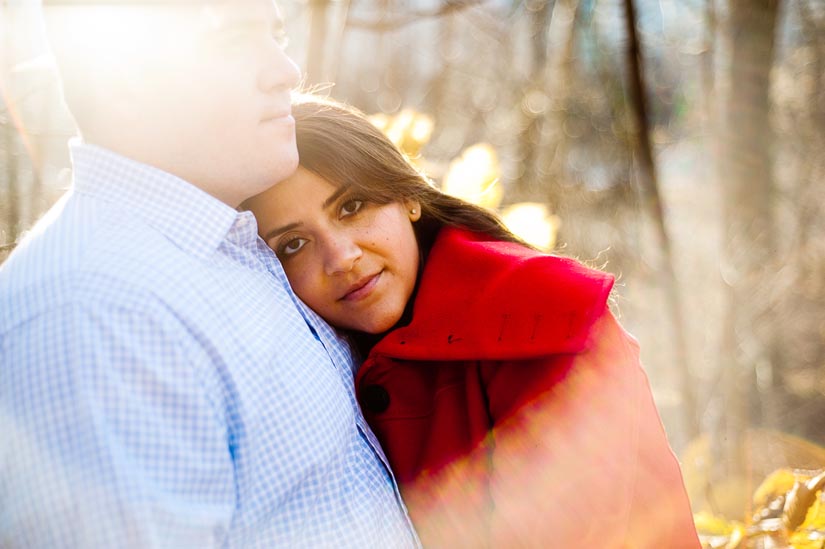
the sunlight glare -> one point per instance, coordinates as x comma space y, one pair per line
474, 176
112, 35
98, 29
533, 223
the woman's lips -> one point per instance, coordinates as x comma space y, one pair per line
362, 288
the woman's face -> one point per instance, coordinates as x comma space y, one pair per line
352, 261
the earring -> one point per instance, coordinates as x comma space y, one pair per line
413, 211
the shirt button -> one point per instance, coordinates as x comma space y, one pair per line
375, 398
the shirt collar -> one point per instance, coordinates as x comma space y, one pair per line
191, 218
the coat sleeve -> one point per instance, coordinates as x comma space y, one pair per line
580, 456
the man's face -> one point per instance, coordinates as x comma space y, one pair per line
221, 104
200, 89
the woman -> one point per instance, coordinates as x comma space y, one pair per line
509, 402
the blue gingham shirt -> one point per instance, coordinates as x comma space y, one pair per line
161, 385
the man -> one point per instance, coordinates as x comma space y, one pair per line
160, 384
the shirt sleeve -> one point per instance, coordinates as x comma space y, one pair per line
110, 437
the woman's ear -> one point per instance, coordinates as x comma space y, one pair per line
413, 209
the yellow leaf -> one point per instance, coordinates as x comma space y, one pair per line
777, 483
533, 223
408, 130
380, 121
711, 525
474, 175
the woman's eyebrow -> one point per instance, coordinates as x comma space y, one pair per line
330, 199
334, 196
279, 230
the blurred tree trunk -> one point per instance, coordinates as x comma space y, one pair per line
385, 96
338, 38
561, 77
399, 60
650, 187
808, 207
9, 157
808, 254
435, 99
748, 353
37, 202
708, 56
317, 43
534, 102
8, 139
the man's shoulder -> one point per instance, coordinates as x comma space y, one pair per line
90, 255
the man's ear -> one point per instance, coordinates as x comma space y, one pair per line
413, 209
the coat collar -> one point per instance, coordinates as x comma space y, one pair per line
482, 299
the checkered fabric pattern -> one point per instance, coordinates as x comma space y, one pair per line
161, 385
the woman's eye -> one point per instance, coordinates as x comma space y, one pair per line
291, 246
351, 207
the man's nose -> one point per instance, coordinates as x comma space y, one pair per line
341, 253
280, 73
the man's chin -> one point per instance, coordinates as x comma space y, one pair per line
288, 162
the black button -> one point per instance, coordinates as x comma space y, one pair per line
375, 398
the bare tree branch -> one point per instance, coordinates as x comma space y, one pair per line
380, 25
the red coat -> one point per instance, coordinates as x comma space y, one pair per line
514, 410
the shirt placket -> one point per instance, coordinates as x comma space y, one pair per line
328, 340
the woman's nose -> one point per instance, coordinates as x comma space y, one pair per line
341, 253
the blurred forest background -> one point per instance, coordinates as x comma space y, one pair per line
679, 144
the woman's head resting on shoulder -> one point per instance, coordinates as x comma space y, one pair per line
351, 225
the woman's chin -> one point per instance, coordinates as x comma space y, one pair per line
377, 326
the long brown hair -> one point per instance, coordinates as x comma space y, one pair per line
340, 144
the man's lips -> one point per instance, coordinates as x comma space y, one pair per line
362, 288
